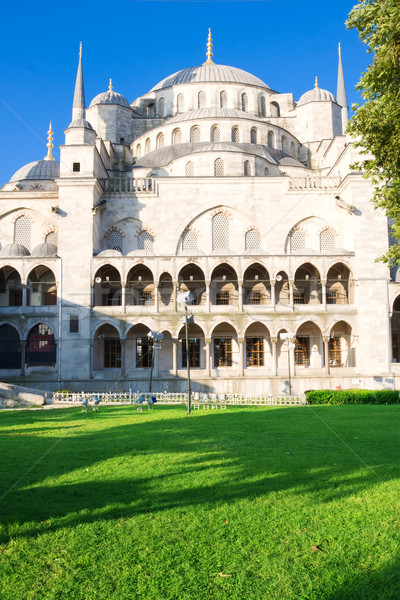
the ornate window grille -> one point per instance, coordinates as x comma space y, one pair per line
335, 352
244, 102
218, 167
144, 351
223, 99
189, 240
145, 241
201, 99
195, 134
51, 238
255, 352
215, 134
220, 231
326, 240
112, 354
177, 137
114, 241
253, 135
189, 169
252, 240
22, 232
194, 353
235, 134
247, 168
302, 352
223, 352
297, 240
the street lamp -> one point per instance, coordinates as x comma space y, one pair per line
155, 339
291, 339
185, 298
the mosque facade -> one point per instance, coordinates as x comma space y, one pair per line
211, 188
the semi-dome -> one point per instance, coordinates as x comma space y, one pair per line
210, 73
14, 250
39, 169
110, 97
317, 94
44, 250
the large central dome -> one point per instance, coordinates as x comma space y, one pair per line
209, 73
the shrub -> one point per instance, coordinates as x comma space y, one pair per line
352, 397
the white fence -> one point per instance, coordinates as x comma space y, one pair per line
179, 398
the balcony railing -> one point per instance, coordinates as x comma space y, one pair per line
128, 184
310, 183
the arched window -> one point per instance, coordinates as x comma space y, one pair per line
138, 151
189, 240
263, 110
252, 240
22, 232
180, 103
247, 168
218, 167
220, 231
41, 347
51, 238
189, 169
176, 137
161, 107
10, 348
266, 172
271, 139
195, 134
253, 135
145, 241
275, 110
326, 240
284, 143
147, 146
244, 102
114, 241
292, 149
235, 134
223, 99
297, 240
160, 141
215, 134
201, 99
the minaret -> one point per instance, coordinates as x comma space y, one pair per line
341, 93
78, 106
209, 54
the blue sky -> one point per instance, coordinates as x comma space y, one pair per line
138, 43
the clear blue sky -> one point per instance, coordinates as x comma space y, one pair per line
138, 43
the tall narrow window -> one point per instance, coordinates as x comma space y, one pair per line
247, 168
263, 110
22, 232
201, 99
253, 135
223, 99
73, 323
161, 107
271, 139
189, 169
144, 353
138, 151
41, 348
244, 102
114, 241
255, 352
235, 134
218, 167
112, 354
220, 231
160, 141
335, 352
194, 353
195, 134
177, 137
223, 352
180, 104
147, 146
284, 143
302, 352
145, 241
215, 134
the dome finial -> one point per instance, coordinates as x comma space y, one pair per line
316, 82
50, 144
110, 87
209, 49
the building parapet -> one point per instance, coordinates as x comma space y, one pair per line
128, 184
318, 183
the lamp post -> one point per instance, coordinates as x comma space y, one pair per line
185, 298
155, 340
290, 338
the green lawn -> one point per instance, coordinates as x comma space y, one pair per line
247, 503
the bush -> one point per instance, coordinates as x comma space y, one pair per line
352, 397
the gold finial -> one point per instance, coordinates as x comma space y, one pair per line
80, 48
340, 49
316, 82
110, 87
209, 49
50, 144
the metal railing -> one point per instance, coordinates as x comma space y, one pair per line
128, 184
180, 398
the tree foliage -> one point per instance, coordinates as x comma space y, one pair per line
376, 123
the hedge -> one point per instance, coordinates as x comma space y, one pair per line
352, 397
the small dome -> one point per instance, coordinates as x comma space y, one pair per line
39, 169
14, 250
109, 252
44, 250
317, 94
210, 73
80, 123
110, 97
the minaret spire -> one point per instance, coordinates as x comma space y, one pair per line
50, 144
78, 106
209, 54
316, 82
110, 86
341, 96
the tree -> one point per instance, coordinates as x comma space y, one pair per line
376, 123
